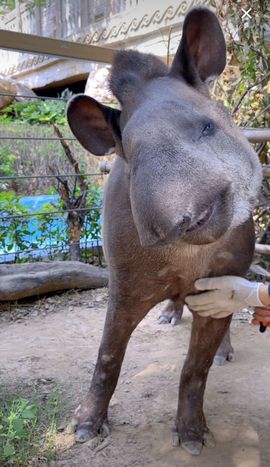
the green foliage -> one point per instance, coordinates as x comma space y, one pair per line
52, 227
17, 425
44, 227
35, 112
14, 233
92, 227
28, 427
8, 5
244, 87
36, 158
7, 160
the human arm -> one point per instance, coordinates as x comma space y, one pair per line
226, 294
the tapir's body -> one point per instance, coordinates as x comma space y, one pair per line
177, 207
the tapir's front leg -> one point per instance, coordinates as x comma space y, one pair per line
190, 428
123, 315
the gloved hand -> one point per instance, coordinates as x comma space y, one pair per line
226, 294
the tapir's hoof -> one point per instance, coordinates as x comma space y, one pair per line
209, 440
71, 427
104, 431
174, 321
192, 447
173, 318
230, 357
83, 432
163, 319
219, 360
175, 438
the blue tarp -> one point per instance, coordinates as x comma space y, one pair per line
42, 238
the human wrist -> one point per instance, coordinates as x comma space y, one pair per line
264, 295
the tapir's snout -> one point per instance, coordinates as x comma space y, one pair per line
157, 237
160, 223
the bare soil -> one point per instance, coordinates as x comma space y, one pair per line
56, 340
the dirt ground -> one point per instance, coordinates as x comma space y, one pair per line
57, 338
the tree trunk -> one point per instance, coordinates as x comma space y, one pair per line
74, 227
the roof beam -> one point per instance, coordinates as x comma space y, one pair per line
20, 42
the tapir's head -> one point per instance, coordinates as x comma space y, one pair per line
192, 174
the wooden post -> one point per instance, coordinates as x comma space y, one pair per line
18, 16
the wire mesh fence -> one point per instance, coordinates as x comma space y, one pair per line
48, 208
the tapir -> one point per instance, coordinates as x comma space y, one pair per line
178, 206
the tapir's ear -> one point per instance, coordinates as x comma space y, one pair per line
201, 54
95, 125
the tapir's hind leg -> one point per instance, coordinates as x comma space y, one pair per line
123, 315
225, 351
172, 313
190, 427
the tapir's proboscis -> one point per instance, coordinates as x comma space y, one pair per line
178, 207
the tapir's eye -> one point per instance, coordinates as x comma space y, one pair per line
208, 129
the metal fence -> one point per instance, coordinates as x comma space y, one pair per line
38, 226
31, 230
44, 233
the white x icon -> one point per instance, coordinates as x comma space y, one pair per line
246, 13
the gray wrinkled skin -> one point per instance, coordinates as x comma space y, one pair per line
177, 207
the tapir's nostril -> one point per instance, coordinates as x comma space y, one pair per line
184, 224
162, 235
178, 230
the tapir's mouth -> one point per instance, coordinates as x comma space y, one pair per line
200, 222
186, 228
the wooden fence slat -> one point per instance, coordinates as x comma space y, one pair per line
32, 44
257, 135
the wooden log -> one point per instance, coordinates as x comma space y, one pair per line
266, 171
30, 279
262, 249
257, 269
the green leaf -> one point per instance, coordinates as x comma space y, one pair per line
9, 450
18, 426
29, 412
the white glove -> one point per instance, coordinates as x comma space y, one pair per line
227, 295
